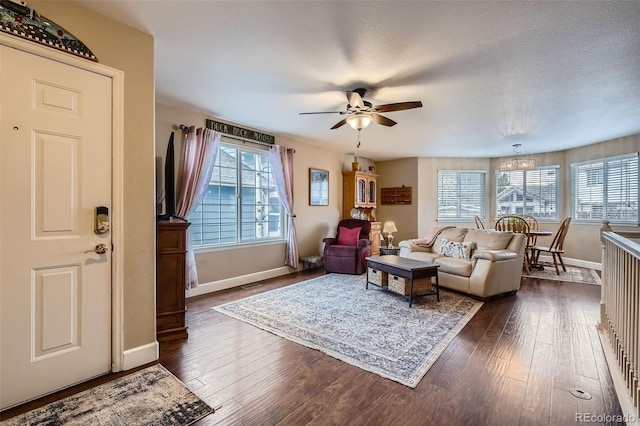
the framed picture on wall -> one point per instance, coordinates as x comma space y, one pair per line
318, 187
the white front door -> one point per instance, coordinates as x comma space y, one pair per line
55, 169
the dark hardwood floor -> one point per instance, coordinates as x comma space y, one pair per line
513, 363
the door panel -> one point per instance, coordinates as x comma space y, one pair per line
55, 308
55, 158
55, 179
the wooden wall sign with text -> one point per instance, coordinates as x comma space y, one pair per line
239, 132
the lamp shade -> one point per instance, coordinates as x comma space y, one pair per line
389, 226
359, 120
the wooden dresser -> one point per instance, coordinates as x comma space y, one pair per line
171, 253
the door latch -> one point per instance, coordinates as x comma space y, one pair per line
102, 220
100, 249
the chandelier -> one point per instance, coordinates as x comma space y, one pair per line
517, 163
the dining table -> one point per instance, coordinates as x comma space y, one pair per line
540, 232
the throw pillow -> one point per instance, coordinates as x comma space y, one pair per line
455, 249
348, 236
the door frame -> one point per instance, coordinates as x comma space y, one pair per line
117, 179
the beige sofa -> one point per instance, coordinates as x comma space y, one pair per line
493, 267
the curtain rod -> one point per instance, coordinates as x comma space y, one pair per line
185, 128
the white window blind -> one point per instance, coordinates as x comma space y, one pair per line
461, 194
531, 192
605, 189
241, 203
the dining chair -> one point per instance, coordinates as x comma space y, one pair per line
533, 225
518, 225
479, 223
556, 248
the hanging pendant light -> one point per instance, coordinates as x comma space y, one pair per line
517, 163
359, 120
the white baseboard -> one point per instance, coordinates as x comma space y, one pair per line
575, 262
141, 355
210, 287
626, 402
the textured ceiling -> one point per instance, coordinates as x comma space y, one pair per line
549, 75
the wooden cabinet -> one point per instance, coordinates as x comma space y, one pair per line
359, 192
171, 254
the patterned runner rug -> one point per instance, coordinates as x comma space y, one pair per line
372, 329
573, 274
152, 396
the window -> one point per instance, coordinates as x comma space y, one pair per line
460, 194
595, 177
241, 204
605, 189
531, 192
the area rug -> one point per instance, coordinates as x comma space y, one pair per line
152, 396
371, 329
573, 274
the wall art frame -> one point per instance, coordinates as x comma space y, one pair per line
318, 187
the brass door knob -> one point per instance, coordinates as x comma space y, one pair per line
100, 249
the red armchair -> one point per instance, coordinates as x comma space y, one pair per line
346, 253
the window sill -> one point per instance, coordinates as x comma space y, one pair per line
237, 246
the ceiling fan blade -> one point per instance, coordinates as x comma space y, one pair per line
339, 123
323, 112
379, 119
398, 106
355, 100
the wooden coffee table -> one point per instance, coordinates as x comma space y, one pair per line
405, 268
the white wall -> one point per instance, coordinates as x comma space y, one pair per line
313, 223
582, 241
107, 39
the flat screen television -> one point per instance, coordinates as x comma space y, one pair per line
169, 183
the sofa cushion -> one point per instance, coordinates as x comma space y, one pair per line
343, 251
451, 265
424, 256
452, 234
348, 236
456, 249
487, 239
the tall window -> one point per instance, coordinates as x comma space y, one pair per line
605, 189
460, 194
241, 203
530, 192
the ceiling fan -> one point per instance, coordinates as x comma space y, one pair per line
360, 112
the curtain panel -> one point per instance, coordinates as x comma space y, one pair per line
199, 150
281, 161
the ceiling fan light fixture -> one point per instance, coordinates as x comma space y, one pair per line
517, 163
359, 120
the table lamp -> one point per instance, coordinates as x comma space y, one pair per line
389, 227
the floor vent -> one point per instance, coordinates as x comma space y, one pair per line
579, 393
248, 286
